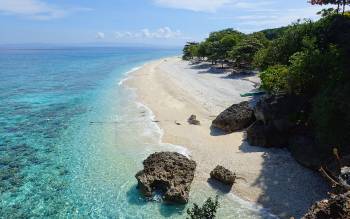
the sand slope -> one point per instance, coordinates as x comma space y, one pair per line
175, 89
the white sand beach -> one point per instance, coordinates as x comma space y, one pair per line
174, 89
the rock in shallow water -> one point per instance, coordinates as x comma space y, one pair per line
223, 175
235, 118
168, 172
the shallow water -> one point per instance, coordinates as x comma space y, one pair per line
72, 138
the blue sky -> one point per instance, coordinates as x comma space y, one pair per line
160, 22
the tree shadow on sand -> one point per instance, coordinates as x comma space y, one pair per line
200, 66
240, 75
288, 189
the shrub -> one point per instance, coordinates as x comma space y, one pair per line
274, 79
207, 211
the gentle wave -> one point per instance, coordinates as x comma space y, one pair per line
157, 129
127, 74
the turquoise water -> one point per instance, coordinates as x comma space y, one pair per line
72, 138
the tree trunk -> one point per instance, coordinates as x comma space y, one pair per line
344, 4
338, 8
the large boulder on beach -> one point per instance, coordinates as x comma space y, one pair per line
306, 151
223, 175
337, 207
265, 135
235, 118
168, 172
277, 110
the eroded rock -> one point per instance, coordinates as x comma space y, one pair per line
306, 151
235, 118
260, 134
223, 175
337, 207
278, 110
168, 172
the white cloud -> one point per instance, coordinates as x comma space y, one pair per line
35, 9
258, 21
100, 35
194, 5
161, 33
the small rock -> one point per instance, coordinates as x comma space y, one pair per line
223, 175
193, 120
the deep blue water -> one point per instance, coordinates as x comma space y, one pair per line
71, 138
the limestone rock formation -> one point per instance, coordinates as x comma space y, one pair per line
337, 207
259, 134
168, 172
223, 175
235, 118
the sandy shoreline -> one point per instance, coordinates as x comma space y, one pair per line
174, 89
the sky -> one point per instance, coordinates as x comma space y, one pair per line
153, 22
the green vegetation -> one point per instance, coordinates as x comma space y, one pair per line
311, 59
207, 211
308, 59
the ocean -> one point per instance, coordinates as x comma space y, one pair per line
72, 138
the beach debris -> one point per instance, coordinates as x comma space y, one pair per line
170, 173
177, 123
193, 120
156, 121
235, 118
223, 175
337, 206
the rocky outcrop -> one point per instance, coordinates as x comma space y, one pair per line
337, 207
306, 151
223, 175
193, 120
276, 118
259, 134
277, 110
235, 118
168, 172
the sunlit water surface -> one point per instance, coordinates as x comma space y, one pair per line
72, 138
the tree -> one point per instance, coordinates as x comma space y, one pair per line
243, 53
207, 211
333, 2
188, 50
221, 42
